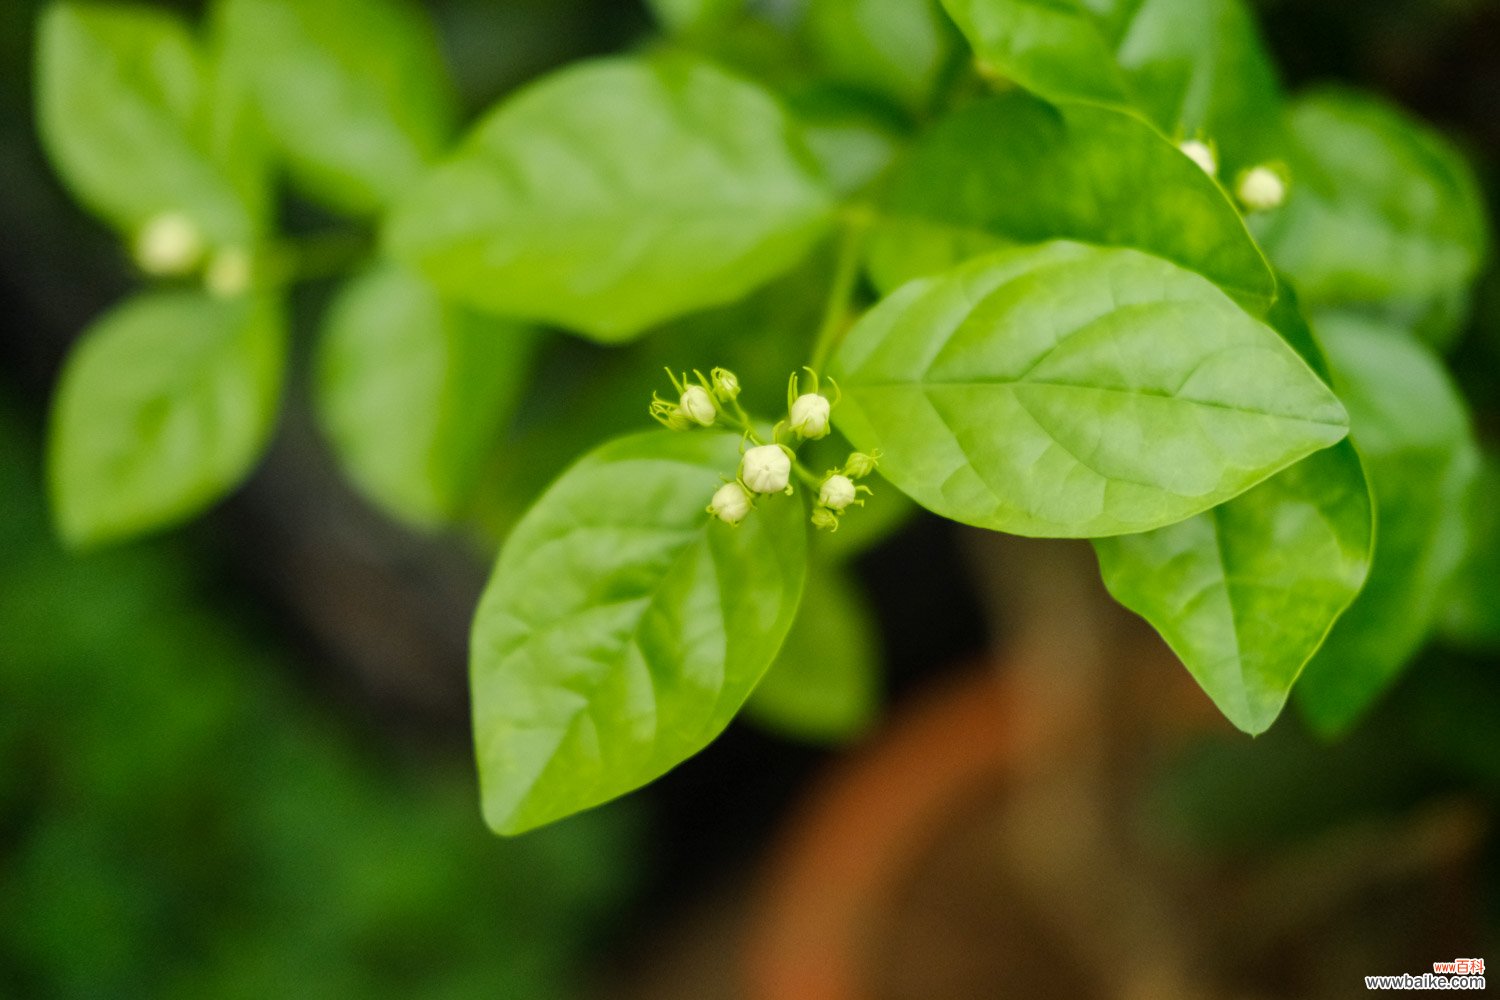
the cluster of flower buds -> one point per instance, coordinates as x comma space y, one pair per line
170, 245
766, 467
839, 491
698, 404
1259, 188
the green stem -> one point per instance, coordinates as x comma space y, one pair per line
808, 477
845, 276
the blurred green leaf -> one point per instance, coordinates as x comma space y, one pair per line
1133, 393
824, 685
1412, 431
1087, 173
163, 406
125, 112
897, 48
852, 136
623, 628
1246, 592
414, 392
1382, 215
617, 194
354, 93
1193, 66
693, 15
1472, 615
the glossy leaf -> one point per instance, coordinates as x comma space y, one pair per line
353, 92
898, 48
414, 392
1246, 592
1382, 214
1087, 174
1066, 390
617, 194
164, 405
123, 107
1412, 430
1193, 66
623, 628
824, 687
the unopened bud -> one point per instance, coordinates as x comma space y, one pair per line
824, 519
1261, 189
858, 464
837, 492
731, 504
1202, 154
766, 468
810, 415
168, 244
228, 273
697, 405
726, 384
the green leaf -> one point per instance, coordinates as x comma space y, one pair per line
1245, 593
354, 93
1193, 66
1087, 173
1066, 390
1382, 215
1472, 615
1412, 430
687, 16
897, 48
617, 194
824, 687
124, 113
414, 393
164, 406
623, 628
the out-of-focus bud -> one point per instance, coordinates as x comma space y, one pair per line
697, 405
229, 273
1202, 154
169, 244
766, 468
731, 504
1261, 189
824, 519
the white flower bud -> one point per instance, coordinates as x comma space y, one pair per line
228, 273
731, 504
810, 415
168, 244
766, 468
697, 405
1201, 154
1261, 189
837, 492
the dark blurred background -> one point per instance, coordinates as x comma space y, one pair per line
235, 761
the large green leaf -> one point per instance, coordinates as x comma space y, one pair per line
1412, 430
1194, 66
617, 194
1246, 592
123, 105
899, 48
353, 92
1014, 169
1383, 214
824, 687
414, 392
623, 628
1066, 390
164, 405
